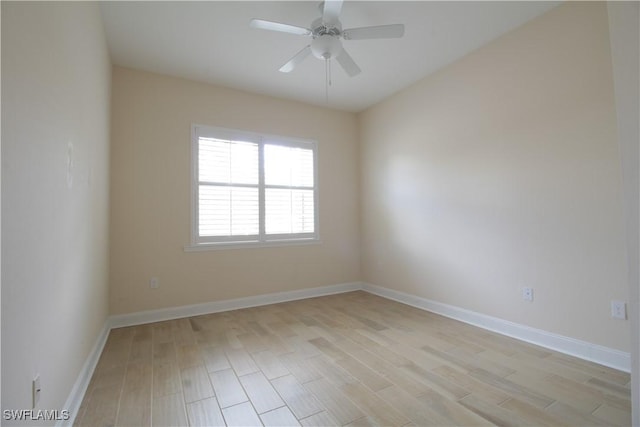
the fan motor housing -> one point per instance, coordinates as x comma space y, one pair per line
320, 28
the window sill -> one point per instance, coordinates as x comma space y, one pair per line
203, 247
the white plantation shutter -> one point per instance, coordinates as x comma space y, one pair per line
229, 162
289, 166
289, 211
228, 188
289, 193
228, 211
252, 191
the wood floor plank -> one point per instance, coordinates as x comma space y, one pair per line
169, 411
196, 323
572, 416
143, 333
335, 402
162, 332
459, 342
196, 384
277, 345
227, 388
366, 421
164, 352
613, 416
205, 413
241, 361
299, 367
102, 407
257, 326
478, 388
493, 413
545, 365
188, 355
392, 373
372, 405
183, 333
138, 376
303, 332
593, 369
251, 342
452, 411
328, 348
269, 364
393, 355
621, 390
303, 347
241, 415
489, 342
261, 393
365, 375
166, 379
321, 419
331, 371
141, 351
588, 391
373, 337
523, 393
280, 329
215, 358
436, 382
416, 356
531, 414
301, 402
110, 376
469, 361
281, 417
409, 405
542, 385
135, 407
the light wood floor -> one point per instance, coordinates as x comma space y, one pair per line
349, 359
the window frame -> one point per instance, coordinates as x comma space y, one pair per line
262, 239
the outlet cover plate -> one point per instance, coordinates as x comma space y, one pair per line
619, 310
36, 390
527, 294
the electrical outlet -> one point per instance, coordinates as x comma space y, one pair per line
619, 310
35, 390
527, 294
154, 283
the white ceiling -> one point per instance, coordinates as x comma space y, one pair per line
212, 42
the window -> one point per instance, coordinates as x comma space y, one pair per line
252, 189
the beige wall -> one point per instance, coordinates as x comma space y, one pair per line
501, 171
55, 92
150, 193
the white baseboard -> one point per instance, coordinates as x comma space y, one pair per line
584, 350
170, 313
84, 377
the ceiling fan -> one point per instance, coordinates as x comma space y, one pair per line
326, 32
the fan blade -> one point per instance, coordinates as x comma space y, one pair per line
347, 62
276, 26
297, 58
331, 11
392, 31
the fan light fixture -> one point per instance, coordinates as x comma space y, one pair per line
326, 47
